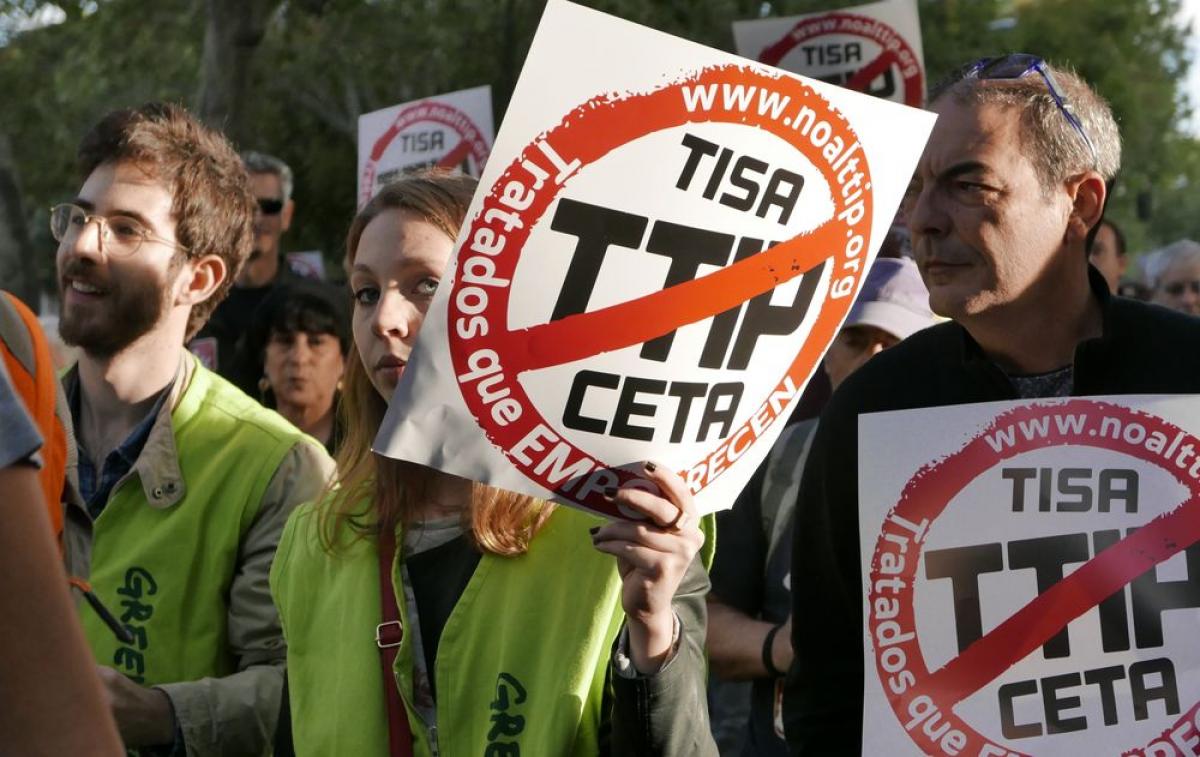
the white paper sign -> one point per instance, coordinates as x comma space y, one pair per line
1032, 578
452, 130
872, 48
611, 301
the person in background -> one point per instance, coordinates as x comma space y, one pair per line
1107, 253
297, 348
750, 606
518, 631
1178, 284
187, 480
272, 183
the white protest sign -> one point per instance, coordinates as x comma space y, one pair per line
611, 300
872, 48
451, 130
1032, 578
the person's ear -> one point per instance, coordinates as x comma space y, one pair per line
1087, 193
199, 279
285, 215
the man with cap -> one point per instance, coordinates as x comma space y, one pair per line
1012, 181
750, 606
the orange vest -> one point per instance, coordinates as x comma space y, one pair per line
30, 366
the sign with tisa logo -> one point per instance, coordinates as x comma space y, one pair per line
452, 131
873, 48
1032, 578
661, 249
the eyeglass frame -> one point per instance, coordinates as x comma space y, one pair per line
105, 230
278, 203
1031, 62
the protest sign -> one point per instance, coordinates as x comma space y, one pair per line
611, 299
452, 131
872, 48
1032, 578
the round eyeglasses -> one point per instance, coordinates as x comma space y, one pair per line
120, 236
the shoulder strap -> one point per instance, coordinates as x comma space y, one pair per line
781, 481
31, 367
388, 635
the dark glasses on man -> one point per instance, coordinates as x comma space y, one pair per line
1177, 288
270, 207
1020, 65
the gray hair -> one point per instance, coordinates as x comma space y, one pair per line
1184, 252
259, 162
1051, 143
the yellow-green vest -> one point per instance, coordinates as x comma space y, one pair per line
520, 667
165, 572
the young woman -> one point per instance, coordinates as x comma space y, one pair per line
520, 632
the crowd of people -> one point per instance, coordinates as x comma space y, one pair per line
250, 578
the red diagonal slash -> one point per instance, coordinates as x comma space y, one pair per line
866, 74
1037, 622
638, 320
455, 156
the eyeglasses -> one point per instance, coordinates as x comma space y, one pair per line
269, 206
1177, 288
120, 236
1019, 65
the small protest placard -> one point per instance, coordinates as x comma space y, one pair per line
452, 130
873, 48
661, 249
1032, 578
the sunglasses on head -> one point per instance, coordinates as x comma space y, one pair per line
1020, 65
1176, 288
269, 206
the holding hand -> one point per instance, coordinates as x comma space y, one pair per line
144, 715
652, 557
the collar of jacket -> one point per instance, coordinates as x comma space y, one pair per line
1087, 352
157, 467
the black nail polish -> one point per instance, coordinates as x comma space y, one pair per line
594, 530
650, 467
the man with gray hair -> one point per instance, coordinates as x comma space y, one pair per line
1011, 183
271, 182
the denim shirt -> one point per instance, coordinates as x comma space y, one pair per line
95, 486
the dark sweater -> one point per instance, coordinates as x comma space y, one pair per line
1144, 349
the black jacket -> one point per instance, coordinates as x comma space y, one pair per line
1144, 349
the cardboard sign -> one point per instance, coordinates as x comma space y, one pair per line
872, 48
452, 131
612, 301
1032, 578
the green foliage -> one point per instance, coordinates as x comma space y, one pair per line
322, 63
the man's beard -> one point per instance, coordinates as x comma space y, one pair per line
125, 314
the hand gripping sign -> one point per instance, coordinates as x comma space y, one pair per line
661, 249
871, 48
452, 131
1034, 590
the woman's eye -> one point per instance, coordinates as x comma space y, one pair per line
366, 296
426, 287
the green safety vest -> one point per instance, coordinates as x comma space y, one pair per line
165, 571
520, 668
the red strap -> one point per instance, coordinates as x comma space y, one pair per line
388, 635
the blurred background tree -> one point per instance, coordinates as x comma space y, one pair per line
291, 77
